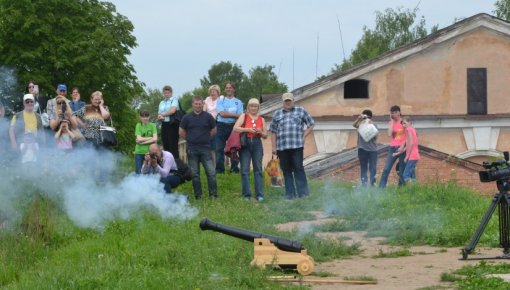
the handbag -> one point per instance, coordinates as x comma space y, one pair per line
178, 115
108, 135
367, 131
274, 173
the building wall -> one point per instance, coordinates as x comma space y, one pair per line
434, 81
430, 169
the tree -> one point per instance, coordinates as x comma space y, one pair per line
393, 29
221, 73
502, 9
82, 43
262, 80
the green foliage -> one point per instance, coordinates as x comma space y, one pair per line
147, 251
394, 254
83, 43
475, 277
393, 28
260, 80
502, 9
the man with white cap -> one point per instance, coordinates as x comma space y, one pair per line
288, 138
26, 121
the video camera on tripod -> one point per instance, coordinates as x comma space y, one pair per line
499, 171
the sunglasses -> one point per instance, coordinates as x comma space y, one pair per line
28, 101
60, 103
30, 87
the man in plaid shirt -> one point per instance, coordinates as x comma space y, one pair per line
288, 135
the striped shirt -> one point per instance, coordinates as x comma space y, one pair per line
288, 127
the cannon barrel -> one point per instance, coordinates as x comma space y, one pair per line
280, 243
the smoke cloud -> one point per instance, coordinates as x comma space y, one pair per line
88, 185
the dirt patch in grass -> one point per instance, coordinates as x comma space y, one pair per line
393, 267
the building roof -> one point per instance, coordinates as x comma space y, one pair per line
457, 29
349, 158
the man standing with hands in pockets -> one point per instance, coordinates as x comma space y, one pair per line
288, 138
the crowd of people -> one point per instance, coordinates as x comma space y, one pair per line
64, 124
71, 122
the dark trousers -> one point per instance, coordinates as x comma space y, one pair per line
222, 134
195, 157
170, 181
170, 138
368, 163
291, 162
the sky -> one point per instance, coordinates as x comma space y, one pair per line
179, 41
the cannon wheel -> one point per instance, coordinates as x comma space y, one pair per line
305, 267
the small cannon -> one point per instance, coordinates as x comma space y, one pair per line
268, 250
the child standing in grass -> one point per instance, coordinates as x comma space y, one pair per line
412, 154
146, 134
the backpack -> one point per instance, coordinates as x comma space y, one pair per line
183, 171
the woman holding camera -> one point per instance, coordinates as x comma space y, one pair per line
92, 117
367, 150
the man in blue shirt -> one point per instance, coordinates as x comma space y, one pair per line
76, 102
229, 109
288, 138
197, 128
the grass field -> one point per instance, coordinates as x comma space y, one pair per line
43, 248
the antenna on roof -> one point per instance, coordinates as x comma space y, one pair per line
416, 8
292, 68
317, 58
341, 40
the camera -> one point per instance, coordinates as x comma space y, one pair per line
364, 116
497, 170
153, 155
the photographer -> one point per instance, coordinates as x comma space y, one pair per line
162, 163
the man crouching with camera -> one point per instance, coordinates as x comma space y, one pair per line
162, 163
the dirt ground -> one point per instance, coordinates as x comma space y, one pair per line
422, 269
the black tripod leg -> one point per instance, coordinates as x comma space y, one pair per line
486, 218
504, 224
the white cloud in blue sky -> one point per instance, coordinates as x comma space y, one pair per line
178, 41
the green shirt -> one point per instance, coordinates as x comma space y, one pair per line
144, 131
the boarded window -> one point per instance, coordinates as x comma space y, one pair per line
356, 89
477, 91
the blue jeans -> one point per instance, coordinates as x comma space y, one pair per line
410, 171
390, 160
222, 134
367, 162
171, 181
253, 152
139, 162
195, 157
291, 162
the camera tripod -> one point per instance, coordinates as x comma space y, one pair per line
502, 201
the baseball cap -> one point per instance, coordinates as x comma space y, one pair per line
287, 96
28, 97
62, 87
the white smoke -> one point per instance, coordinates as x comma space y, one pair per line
90, 205
88, 185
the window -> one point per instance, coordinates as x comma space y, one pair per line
356, 89
477, 91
